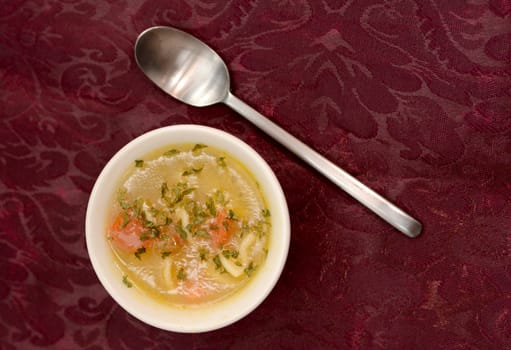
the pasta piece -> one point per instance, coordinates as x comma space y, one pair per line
167, 273
247, 242
230, 266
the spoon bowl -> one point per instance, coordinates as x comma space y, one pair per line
183, 66
190, 71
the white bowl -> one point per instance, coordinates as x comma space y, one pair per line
134, 301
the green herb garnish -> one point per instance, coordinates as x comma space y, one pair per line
250, 269
197, 220
210, 204
198, 146
231, 215
121, 199
266, 212
171, 152
244, 229
165, 254
184, 193
201, 233
180, 190
230, 253
137, 208
126, 282
138, 252
220, 161
191, 171
260, 227
145, 236
148, 224
125, 220
139, 163
164, 190
168, 221
203, 253
218, 263
181, 274
181, 230
153, 230
199, 216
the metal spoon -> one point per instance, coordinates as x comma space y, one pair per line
190, 71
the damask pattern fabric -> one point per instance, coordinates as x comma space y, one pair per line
411, 97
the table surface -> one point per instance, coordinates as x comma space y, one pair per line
411, 97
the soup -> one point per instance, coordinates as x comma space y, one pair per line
189, 225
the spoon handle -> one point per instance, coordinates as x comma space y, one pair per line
372, 200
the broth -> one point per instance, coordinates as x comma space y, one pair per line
189, 225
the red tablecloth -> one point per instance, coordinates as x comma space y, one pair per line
411, 97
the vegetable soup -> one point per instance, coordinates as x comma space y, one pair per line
189, 225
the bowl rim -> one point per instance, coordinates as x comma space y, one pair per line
269, 182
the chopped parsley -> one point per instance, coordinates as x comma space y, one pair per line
201, 233
181, 230
220, 161
231, 215
164, 190
197, 220
121, 199
230, 253
180, 190
139, 163
203, 253
153, 231
138, 252
165, 254
192, 171
137, 208
181, 274
149, 224
218, 263
154, 211
171, 152
244, 229
144, 236
126, 281
260, 227
198, 147
250, 269
125, 220
210, 204
266, 212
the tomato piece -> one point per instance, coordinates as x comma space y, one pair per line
126, 236
221, 228
193, 289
